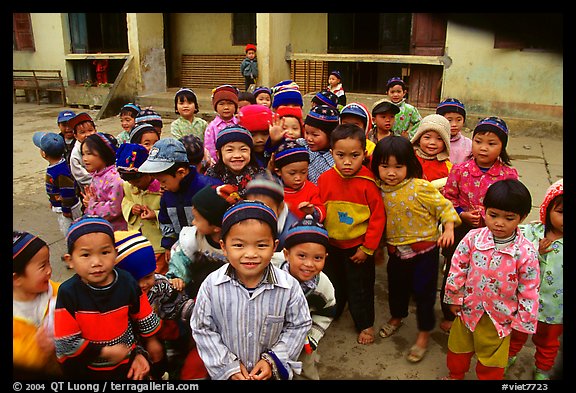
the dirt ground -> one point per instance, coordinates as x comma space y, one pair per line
342, 358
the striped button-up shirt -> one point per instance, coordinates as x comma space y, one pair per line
232, 325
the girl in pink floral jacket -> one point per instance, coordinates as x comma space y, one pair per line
103, 197
492, 285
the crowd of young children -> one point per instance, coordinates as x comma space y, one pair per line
226, 249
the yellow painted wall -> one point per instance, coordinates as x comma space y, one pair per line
486, 78
309, 33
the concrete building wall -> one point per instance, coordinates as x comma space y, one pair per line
146, 38
509, 82
309, 33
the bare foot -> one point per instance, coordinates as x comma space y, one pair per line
366, 336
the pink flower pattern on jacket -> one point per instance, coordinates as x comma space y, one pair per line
108, 194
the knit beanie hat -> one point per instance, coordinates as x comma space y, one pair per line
360, 110
336, 74
395, 81
286, 93
307, 230
255, 117
246, 209
323, 117
451, 105
262, 90
266, 184
234, 133
249, 47
194, 148
140, 129
213, 201
496, 125
78, 119
149, 116
130, 156
135, 253
24, 246
291, 111
290, 151
438, 123
557, 188
86, 224
225, 92
326, 97
133, 109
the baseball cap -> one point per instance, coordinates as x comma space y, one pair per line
51, 143
165, 153
383, 105
65, 116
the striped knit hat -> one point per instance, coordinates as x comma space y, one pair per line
247, 209
24, 246
130, 156
149, 116
233, 133
85, 225
286, 93
135, 253
326, 97
493, 124
307, 230
266, 184
451, 105
290, 151
323, 117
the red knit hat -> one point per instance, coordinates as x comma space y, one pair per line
255, 117
293, 111
250, 47
553, 191
224, 92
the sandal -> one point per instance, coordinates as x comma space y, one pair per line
416, 354
388, 329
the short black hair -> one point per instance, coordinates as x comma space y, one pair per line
510, 195
401, 148
348, 130
185, 95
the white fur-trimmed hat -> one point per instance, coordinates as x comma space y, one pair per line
441, 125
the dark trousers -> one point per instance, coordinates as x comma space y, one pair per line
247, 82
418, 277
459, 233
353, 284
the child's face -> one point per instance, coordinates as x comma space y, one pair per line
392, 173
225, 109
259, 139
243, 103
251, 54
36, 276
486, 149
249, 246
185, 108
235, 155
291, 127
333, 80
294, 175
264, 99
396, 93
66, 130
348, 156
502, 223
557, 217
93, 258
92, 160
456, 122
384, 121
147, 282
353, 119
202, 225
306, 260
432, 143
170, 182
148, 139
316, 138
127, 122
84, 130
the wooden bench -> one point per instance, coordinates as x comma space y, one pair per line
38, 81
210, 71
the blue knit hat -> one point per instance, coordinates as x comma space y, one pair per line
290, 151
493, 124
307, 230
395, 81
85, 225
234, 133
326, 97
149, 116
130, 156
132, 108
286, 93
24, 246
323, 117
135, 253
246, 209
262, 89
451, 105
266, 184
337, 74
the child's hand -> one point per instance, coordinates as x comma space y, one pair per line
472, 217
242, 375
44, 340
359, 257
177, 283
544, 246
307, 207
446, 239
137, 209
139, 368
455, 309
261, 371
147, 213
87, 195
276, 129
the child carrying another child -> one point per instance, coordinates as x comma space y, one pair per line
101, 310
249, 296
492, 285
355, 220
414, 211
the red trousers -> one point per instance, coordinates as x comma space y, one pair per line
459, 364
546, 340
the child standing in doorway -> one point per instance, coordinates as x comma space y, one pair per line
335, 86
414, 211
492, 285
249, 66
186, 107
408, 118
355, 221
246, 295
460, 146
225, 103
547, 236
